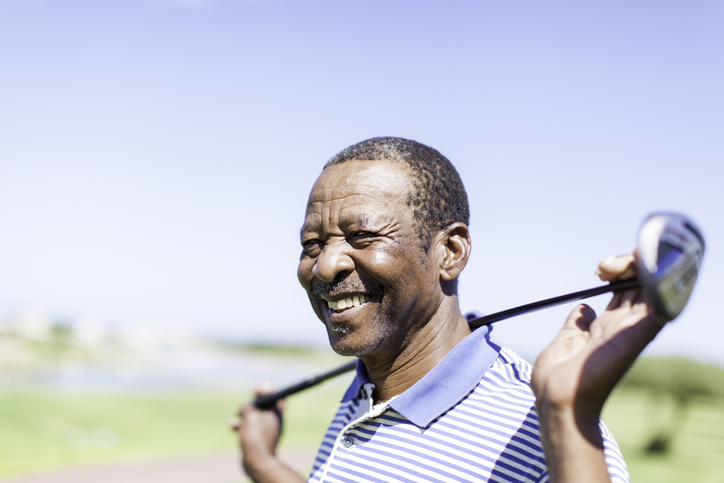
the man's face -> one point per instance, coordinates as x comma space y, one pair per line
362, 262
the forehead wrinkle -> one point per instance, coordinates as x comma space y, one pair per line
369, 178
334, 207
336, 193
343, 201
352, 189
340, 215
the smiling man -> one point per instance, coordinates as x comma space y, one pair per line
384, 239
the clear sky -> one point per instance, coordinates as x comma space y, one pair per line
156, 155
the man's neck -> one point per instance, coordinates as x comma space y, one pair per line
394, 375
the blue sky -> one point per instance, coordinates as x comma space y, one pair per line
156, 155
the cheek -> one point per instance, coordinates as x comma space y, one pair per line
395, 265
304, 273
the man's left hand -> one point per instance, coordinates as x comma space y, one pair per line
575, 374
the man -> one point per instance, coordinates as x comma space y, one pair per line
384, 240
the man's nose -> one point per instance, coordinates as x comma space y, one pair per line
333, 260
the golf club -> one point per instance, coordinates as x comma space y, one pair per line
668, 258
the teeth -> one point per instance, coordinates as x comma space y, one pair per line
347, 303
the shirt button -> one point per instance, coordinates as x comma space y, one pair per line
348, 441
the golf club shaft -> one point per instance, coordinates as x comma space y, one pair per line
268, 400
553, 302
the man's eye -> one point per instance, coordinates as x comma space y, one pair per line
311, 246
361, 237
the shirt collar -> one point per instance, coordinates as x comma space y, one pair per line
360, 379
450, 381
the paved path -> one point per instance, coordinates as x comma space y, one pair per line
217, 468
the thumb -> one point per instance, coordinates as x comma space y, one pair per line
580, 318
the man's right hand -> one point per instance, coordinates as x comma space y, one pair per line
258, 432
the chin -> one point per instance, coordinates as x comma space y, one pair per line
346, 351
349, 345
342, 346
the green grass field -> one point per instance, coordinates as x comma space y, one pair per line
51, 430
697, 450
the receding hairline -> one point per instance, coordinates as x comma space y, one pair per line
438, 197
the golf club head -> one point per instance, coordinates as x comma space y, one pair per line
669, 255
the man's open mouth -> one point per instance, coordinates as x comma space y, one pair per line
349, 302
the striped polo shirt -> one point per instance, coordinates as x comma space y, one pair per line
472, 418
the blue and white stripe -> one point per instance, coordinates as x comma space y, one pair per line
446, 428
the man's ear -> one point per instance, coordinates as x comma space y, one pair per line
454, 245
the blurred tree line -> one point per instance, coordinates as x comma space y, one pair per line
681, 381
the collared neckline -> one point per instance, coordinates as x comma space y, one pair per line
450, 381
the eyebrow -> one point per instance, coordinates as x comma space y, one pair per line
301, 230
362, 220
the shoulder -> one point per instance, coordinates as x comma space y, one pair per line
504, 393
509, 374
